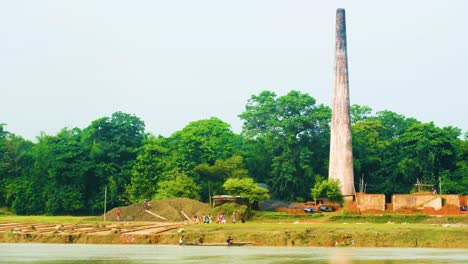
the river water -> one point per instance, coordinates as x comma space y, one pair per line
86, 253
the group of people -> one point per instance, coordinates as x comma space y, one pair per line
208, 219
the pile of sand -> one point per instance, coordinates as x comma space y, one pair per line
170, 209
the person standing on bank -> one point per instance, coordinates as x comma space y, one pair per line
117, 214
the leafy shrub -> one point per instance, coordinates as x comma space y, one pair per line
328, 188
242, 211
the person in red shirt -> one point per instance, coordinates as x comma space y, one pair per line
117, 214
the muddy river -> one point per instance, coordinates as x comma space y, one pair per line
86, 253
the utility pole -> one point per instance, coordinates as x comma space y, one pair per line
209, 193
440, 185
105, 202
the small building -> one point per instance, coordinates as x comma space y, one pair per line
218, 200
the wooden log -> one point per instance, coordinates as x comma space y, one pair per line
188, 218
155, 215
165, 229
139, 228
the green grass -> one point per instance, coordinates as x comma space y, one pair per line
5, 211
325, 234
49, 219
459, 219
396, 218
282, 216
265, 217
383, 218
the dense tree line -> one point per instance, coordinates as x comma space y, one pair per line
284, 144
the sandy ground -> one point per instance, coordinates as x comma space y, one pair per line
149, 228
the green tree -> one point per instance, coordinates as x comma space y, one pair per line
369, 145
257, 153
429, 152
151, 163
247, 188
66, 174
377, 153
202, 141
177, 185
456, 182
3, 132
199, 145
360, 113
112, 145
328, 188
212, 177
15, 165
394, 123
292, 133
393, 152
52, 179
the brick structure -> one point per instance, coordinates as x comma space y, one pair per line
370, 202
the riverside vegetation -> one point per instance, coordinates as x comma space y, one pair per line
284, 143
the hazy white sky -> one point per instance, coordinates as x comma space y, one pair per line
67, 63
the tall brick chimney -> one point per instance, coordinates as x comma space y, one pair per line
341, 150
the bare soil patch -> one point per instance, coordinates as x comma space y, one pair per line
170, 209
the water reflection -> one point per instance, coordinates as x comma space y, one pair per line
80, 253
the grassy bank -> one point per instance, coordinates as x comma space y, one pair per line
396, 218
279, 229
265, 234
335, 234
345, 217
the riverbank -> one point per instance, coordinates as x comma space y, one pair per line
257, 234
331, 234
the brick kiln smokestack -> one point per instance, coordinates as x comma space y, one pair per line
341, 151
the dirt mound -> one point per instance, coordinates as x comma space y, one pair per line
449, 209
353, 208
407, 210
429, 211
294, 211
463, 200
170, 209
